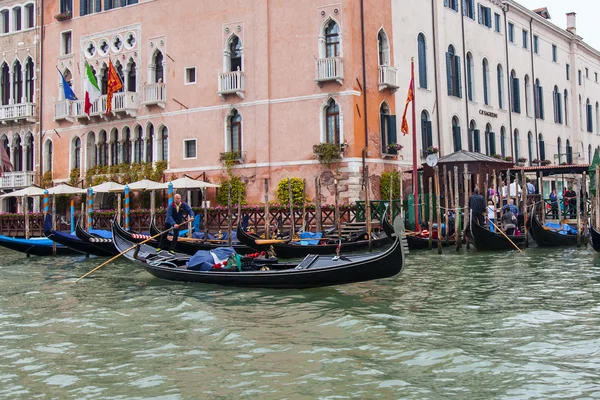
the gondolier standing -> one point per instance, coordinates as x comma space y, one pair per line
174, 220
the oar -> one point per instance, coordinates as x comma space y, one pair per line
507, 238
123, 252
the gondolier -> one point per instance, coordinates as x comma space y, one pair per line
174, 220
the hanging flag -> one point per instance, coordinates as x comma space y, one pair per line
91, 88
410, 97
69, 94
6, 164
114, 85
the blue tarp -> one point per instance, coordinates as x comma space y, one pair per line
310, 235
200, 235
204, 260
563, 230
102, 233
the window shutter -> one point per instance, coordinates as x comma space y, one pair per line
590, 125
486, 137
83, 7
108, 4
499, 89
429, 133
479, 13
555, 105
123, 3
98, 5
516, 96
391, 129
457, 138
477, 140
464, 8
488, 17
422, 64
458, 77
382, 118
449, 74
559, 107
542, 150
472, 9
470, 139
424, 142
492, 143
541, 98
445, 3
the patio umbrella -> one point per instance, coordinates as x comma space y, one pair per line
30, 191
107, 187
144, 184
63, 188
189, 183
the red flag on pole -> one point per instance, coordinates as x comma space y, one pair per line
114, 85
6, 164
410, 97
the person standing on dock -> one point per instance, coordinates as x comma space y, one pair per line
174, 220
477, 206
554, 204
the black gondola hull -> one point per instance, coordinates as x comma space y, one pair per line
73, 243
37, 249
595, 236
419, 243
484, 240
545, 238
102, 244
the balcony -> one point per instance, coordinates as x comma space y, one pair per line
388, 78
63, 110
18, 179
155, 94
16, 113
78, 110
330, 69
231, 83
125, 103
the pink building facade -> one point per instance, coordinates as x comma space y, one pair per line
264, 80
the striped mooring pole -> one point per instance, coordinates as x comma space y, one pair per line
72, 215
90, 195
126, 225
170, 194
46, 203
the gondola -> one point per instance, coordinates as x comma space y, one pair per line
312, 271
420, 243
548, 238
485, 240
595, 236
101, 243
190, 247
70, 241
286, 249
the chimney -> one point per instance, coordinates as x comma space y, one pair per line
572, 23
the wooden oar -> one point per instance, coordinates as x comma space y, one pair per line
120, 254
507, 238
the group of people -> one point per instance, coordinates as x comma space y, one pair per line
566, 201
483, 212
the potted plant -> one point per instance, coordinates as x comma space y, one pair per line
327, 153
546, 162
432, 150
522, 160
508, 158
536, 161
64, 16
393, 148
497, 156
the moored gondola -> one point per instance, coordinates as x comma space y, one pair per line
544, 237
70, 241
104, 244
595, 236
419, 243
485, 240
312, 271
191, 246
288, 249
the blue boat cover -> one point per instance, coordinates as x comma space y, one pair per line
310, 235
204, 260
102, 233
563, 229
200, 235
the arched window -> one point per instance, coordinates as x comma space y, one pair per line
530, 146
114, 147
542, 147
559, 149
17, 25
119, 69
456, 134
500, 86
385, 125
569, 150
17, 154
332, 40
29, 81
6, 148
29, 16
486, 82
503, 141
557, 102
126, 146
149, 143
527, 96
104, 80
102, 149
235, 131
516, 92
332, 122
158, 67
474, 139
422, 50
566, 96
5, 19
588, 114
77, 153
132, 77
580, 113
138, 148
164, 140
235, 54
48, 155
516, 144
29, 161
470, 76
91, 150
490, 140
453, 73
383, 48
426, 131
538, 99
17, 83
5, 84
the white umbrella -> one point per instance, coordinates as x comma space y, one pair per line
30, 191
189, 183
63, 188
108, 187
144, 184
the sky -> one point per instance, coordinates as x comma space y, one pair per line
587, 12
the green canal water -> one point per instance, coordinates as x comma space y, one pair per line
464, 326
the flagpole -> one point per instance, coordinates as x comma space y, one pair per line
414, 147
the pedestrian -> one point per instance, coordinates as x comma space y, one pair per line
477, 207
571, 202
174, 220
530, 187
510, 207
491, 215
554, 204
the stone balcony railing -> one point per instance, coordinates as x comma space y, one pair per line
231, 83
388, 78
63, 110
329, 69
155, 94
16, 113
17, 179
122, 103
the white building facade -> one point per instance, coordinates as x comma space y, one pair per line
497, 78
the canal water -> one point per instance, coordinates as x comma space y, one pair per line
464, 326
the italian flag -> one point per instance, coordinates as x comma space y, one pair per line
92, 90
